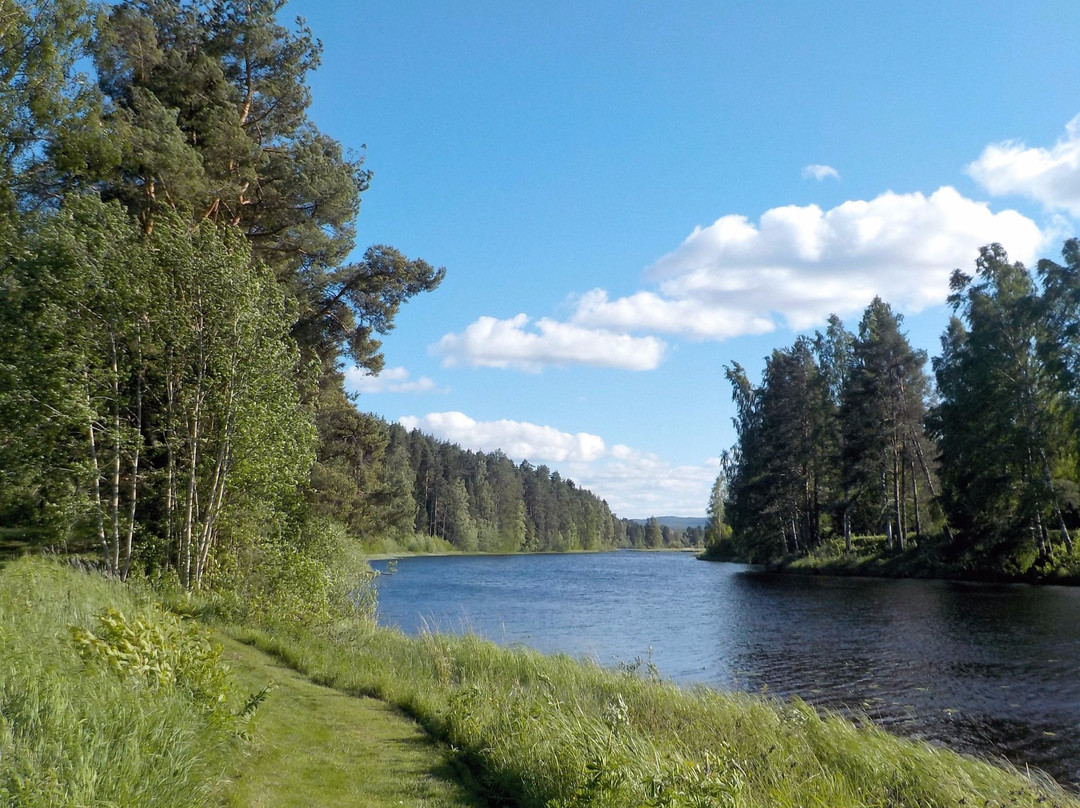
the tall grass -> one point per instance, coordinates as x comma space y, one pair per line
550, 731
79, 732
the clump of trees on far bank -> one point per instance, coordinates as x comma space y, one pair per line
846, 435
422, 493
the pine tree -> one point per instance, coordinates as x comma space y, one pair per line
1000, 424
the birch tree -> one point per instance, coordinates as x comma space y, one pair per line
163, 369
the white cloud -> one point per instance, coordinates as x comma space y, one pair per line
390, 380
816, 171
649, 311
635, 484
509, 344
1050, 176
519, 440
800, 263
638, 484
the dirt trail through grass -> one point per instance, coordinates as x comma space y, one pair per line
315, 746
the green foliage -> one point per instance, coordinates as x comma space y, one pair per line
486, 502
310, 569
1001, 471
52, 136
153, 379
161, 653
205, 109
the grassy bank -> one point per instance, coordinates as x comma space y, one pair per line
123, 713
140, 710
77, 728
871, 556
541, 730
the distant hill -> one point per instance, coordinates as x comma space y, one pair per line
677, 522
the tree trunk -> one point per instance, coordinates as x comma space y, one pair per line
847, 525
915, 501
1048, 479
98, 506
898, 499
134, 488
929, 479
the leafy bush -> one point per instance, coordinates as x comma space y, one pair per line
162, 653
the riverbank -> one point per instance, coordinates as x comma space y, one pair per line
541, 730
529, 730
396, 556
870, 558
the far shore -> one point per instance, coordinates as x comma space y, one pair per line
404, 554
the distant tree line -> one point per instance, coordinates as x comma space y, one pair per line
847, 435
414, 488
653, 534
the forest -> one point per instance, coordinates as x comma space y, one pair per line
970, 458
179, 297
432, 496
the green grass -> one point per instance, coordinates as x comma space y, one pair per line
871, 556
135, 720
139, 725
314, 746
553, 732
77, 733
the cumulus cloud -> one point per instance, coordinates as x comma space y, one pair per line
635, 484
513, 343
638, 484
1050, 176
816, 171
649, 311
391, 380
800, 263
517, 439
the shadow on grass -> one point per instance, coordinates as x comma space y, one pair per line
453, 771
17, 541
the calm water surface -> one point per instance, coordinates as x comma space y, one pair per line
988, 669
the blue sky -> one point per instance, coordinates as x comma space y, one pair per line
627, 196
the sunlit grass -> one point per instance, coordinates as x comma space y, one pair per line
314, 746
551, 731
77, 734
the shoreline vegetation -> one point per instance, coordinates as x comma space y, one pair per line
515, 726
872, 557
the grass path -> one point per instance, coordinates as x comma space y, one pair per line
315, 746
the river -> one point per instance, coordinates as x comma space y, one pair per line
988, 669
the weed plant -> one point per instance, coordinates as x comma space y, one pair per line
104, 699
552, 732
